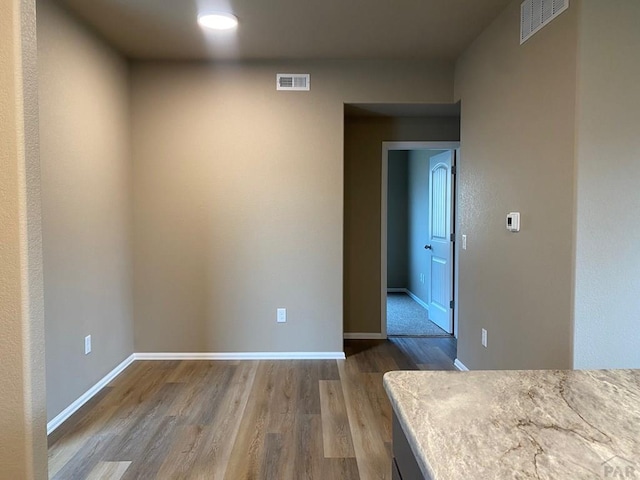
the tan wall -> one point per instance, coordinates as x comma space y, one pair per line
363, 176
23, 447
607, 304
517, 154
84, 114
239, 199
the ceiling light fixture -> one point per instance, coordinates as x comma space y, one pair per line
218, 21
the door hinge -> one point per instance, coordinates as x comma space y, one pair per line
452, 304
453, 237
453, 169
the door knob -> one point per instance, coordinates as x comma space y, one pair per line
427, 247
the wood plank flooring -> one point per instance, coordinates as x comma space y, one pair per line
237, 420
436, 353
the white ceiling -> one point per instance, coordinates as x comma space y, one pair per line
291, 29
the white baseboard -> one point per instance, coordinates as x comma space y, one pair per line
241, 356
460, 366
396, 290
364, 336
88, 395
417, 300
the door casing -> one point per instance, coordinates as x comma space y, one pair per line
386, 148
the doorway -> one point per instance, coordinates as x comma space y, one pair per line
418, 268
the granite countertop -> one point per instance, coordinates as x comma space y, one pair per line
520, 424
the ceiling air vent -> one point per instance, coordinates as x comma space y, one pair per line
293, 81
535, 14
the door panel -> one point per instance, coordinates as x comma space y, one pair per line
440, 246
439, 292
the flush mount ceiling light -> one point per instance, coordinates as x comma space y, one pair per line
218, 21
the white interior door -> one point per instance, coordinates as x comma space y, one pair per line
440, 244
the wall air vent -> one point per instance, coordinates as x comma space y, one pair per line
293, 81
535, 14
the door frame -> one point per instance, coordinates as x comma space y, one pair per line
386, 148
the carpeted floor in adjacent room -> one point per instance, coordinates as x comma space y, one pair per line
406, 317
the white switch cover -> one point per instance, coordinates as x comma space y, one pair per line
484, 337
464, 242
513, 222
282, 315
87, 345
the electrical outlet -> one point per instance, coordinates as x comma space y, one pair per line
464, 242
87, 345
484, 338
281, 315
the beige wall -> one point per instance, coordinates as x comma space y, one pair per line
84, 115
517, 154
607, 304
363, 137
239, 199
23, 448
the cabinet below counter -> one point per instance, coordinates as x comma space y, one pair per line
550, 424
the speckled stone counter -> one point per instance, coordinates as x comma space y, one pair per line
520, 424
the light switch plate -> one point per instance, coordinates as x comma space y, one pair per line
513, 222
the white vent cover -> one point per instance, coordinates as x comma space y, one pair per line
293, 81
535, 14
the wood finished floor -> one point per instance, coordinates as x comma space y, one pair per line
236, 420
